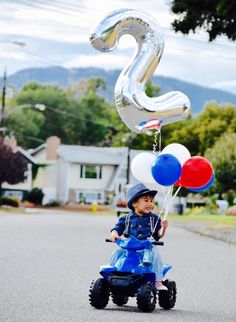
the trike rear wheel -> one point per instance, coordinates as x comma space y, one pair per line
120, 300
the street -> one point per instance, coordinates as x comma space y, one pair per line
48, 260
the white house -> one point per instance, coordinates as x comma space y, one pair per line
73, 173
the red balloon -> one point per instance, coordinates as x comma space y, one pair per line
196, 172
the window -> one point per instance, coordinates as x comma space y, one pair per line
91, 172
89, 197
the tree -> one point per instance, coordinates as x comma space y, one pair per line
77, 117
223, 158
25, 125
97, 114
201, 132
217, 17
12, 166
58, 114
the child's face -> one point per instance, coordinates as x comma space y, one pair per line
143, 205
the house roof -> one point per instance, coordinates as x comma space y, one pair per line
36, 150
91, 154
25, 154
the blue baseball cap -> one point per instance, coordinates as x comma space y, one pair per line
137, 191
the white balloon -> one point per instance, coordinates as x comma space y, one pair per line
178, 150
141, 167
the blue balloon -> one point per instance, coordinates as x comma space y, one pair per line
166, 169
207, 186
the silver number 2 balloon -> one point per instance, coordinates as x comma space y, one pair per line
133, 105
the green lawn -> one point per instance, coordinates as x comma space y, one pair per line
218, 220
196, 214
12, 210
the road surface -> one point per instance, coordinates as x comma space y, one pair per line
48, 260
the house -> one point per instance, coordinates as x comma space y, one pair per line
74, 173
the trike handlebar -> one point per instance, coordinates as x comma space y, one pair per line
157, 243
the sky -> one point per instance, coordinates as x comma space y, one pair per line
56, 33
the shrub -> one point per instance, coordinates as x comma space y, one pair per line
10, 201
53, 203
35, 195
200, 211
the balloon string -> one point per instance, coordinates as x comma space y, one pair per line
170, 202
160, 140
154, 147
166, 195
163, 205
157, 143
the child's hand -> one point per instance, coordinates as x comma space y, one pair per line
164, 224
114, 236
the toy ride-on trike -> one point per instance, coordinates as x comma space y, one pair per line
131, 276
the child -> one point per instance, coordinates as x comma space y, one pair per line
141, 223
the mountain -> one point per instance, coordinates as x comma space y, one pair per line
61, 77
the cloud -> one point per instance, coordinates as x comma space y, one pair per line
57, 33
13, 55
226, 85
111, 61
71, 22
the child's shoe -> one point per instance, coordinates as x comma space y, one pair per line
160, 286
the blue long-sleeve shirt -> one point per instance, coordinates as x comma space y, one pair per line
139, 226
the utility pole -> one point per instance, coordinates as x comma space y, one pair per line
3, 102
129, 141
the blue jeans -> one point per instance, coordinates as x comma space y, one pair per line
151, 255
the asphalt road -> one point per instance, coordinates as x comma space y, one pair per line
48, 260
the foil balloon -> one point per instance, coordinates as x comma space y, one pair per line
133, 105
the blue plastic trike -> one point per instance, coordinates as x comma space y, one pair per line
131, 277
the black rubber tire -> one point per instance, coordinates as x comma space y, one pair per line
99, 293
146, 298
167, 299
120, 300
